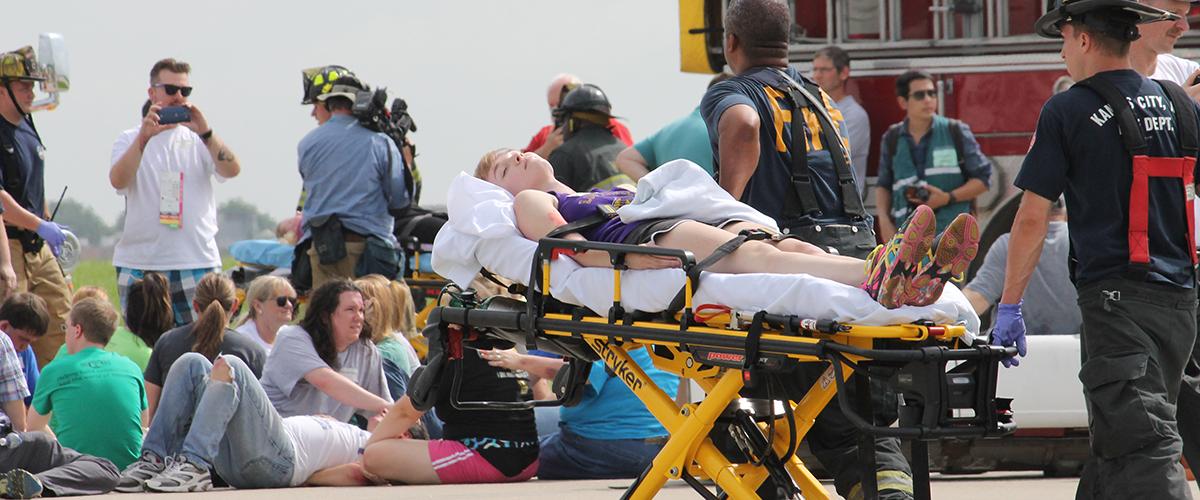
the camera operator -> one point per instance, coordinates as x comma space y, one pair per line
348, 171
165, 169
927, 159
33, 464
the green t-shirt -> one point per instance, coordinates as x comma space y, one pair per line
125, 343
97, 398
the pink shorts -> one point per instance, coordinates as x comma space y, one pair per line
457, 464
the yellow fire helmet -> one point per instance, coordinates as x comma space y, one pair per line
323, 82
21, 64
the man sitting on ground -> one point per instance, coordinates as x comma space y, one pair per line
38, 465
97, 396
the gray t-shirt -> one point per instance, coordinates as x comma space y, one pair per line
294, 356
1050, 305
177, 342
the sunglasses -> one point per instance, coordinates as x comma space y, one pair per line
172, 89
284, 300
921, 95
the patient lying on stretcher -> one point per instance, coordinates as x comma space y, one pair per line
910, 269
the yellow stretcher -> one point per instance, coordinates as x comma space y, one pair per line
948, 388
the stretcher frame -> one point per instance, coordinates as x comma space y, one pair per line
715, 358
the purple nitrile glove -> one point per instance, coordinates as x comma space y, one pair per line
1010, 330
52, 233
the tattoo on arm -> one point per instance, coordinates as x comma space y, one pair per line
224, 155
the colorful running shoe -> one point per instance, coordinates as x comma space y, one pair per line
956, 247
892, 266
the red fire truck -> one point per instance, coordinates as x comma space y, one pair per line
992, 72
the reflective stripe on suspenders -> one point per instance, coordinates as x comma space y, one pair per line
1144, 166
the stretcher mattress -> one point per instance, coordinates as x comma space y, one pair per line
482, 232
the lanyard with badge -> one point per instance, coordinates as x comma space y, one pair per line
170, 197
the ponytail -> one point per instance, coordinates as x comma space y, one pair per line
218, 296
209, 330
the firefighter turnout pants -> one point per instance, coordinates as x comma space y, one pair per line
1137, 338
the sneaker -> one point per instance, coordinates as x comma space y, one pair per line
893, 265
135, 475
181, 476
956, 247
19, 483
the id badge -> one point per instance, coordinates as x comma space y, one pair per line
170, 201
945, 157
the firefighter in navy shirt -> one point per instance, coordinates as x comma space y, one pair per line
755, 127
1123, 149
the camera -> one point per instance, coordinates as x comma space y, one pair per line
917, 193
370, 108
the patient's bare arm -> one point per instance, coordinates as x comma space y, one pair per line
537, 214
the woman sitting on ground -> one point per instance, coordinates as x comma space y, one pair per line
216, 299
902, 272
272, 302
385, 311
215, 416
327, 365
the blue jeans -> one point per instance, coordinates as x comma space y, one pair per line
230, 427
566, 455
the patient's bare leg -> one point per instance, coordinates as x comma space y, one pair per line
759, 257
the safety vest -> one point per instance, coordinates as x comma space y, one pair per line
1146, 166
943, 168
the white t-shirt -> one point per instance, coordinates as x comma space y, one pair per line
148, 244
1173, 68
321, 443
1177, 69
250, 329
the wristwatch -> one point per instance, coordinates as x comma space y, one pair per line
952, 200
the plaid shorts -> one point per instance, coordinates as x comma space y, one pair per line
182, 283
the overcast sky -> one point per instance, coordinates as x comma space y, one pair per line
474, 74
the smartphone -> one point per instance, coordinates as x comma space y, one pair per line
174, 114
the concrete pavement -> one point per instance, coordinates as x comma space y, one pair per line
997, 486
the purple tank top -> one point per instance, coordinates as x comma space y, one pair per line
580, 205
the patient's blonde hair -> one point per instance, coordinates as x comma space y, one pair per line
488, 162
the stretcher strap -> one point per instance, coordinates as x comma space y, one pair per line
721, 252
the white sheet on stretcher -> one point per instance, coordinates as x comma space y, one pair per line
482, 232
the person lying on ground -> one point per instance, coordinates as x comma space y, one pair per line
609, 434
215, 416
38, 466
479, 446
903, 271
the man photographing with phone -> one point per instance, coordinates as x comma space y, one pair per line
164, 168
